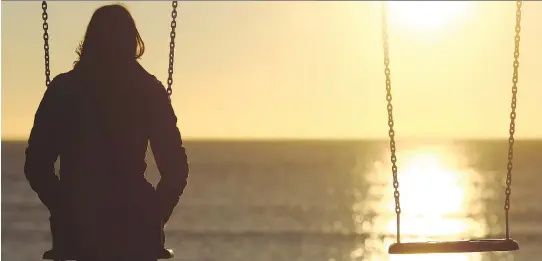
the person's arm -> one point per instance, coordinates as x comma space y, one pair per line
169, 153
43, 150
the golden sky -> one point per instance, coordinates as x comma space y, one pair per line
304, 69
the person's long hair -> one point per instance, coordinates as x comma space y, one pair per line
111, 37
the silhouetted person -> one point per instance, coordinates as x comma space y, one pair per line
99, 118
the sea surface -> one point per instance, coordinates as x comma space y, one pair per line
320, 200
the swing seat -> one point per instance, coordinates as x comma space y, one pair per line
52, 255
482, 245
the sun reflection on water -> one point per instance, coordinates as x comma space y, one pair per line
435, 197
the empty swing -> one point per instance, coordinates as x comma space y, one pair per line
481, 245
59, 252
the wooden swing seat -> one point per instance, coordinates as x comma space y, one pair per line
52, 255
482, 245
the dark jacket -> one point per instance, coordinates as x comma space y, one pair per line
99, 122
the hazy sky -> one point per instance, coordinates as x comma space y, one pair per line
301, 69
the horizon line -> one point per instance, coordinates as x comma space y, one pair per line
278, 139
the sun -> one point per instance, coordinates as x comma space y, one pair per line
426, 14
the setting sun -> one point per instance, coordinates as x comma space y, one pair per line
426, 14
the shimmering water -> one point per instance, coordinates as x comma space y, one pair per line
320, 200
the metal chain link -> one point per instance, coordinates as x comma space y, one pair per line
46, 42
391, 132
512, 130
172, 48
45, 26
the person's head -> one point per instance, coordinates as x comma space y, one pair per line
111, 36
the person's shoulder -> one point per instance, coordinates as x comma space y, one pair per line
151, 81
61, 81
155, 82
148, 77
156, 88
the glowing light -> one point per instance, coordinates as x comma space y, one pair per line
426, 14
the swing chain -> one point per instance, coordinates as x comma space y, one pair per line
46, 42
172, 47
512, 129
515, 78
391, 131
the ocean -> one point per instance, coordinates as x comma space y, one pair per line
320, 200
